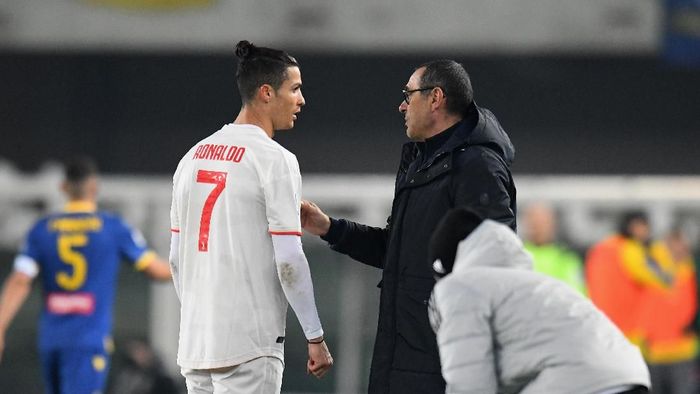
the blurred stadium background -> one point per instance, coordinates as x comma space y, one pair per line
599, 97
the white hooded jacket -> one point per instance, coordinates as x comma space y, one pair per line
502, 328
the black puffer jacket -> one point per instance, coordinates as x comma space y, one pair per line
471, 168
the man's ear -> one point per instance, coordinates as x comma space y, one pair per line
437, 98
265, 93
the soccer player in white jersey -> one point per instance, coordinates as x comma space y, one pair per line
236, 251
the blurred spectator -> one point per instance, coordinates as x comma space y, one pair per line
142, 372
648, 289
611, 267
551, 258
670, 345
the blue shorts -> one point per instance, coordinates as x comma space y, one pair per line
74, 371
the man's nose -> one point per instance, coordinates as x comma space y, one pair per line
403, 106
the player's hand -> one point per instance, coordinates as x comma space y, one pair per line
320, 359
313, 219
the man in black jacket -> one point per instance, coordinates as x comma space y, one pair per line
459, 156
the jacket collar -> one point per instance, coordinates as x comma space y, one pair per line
432, 145
463, 130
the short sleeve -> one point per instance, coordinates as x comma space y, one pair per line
132, 246
32, 244
26, 265
28, 259
283, 197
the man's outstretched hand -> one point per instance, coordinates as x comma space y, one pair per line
313, 219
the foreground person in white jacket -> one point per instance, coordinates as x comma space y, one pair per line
502, 328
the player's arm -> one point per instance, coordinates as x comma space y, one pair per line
174, 254
295, 278
463, 325
174, 259
14, 293
157, 269
133, 247
363, 243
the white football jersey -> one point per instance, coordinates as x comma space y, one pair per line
230, 192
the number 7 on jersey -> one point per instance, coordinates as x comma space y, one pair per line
217, 178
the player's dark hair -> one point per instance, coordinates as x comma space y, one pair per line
258, 66
78, 169
454, 81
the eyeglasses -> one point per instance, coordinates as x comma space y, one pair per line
407, 93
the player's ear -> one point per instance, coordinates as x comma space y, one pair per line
64, 187
265, 93
92, 186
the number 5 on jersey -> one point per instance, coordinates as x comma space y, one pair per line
66, 243
217, 178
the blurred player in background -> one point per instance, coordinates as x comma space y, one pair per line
503, 328
236, 240
551, 258
76, 254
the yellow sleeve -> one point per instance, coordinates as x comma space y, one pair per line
653, 267
145, 260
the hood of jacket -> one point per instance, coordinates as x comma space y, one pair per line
487, 132
492, 244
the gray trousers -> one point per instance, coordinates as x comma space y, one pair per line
676, 378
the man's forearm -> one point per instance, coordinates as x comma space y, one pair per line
14, 294
363, 243
295, 278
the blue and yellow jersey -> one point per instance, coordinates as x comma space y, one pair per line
78, 252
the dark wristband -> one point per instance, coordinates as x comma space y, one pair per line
315, 342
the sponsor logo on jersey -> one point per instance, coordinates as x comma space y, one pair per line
70, 303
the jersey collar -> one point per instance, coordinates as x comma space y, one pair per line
80, 206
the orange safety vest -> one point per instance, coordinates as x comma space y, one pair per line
648, 295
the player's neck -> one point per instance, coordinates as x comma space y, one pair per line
249, 115
80, 205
